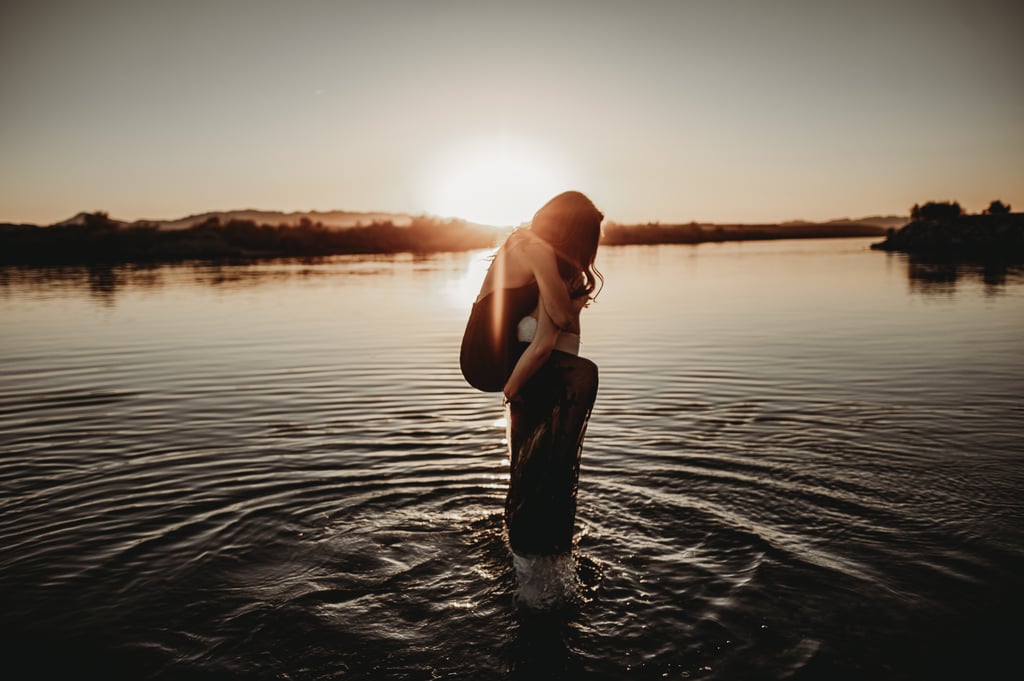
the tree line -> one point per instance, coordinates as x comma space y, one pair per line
948, 211
943, 228
99, 239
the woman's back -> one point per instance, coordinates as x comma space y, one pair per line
490, 348
530, 271
511, 267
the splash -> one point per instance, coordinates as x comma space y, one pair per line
545, 582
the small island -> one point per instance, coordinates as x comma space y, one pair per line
942, 229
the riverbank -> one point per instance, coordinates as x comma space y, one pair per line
695, 233
97, 239
798, 466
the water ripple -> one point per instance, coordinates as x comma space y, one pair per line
237, 487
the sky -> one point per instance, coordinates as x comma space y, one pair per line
671, 111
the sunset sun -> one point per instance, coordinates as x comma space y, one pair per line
498, 181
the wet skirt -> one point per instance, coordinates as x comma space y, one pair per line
545, 439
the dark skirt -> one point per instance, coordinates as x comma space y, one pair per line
546, 429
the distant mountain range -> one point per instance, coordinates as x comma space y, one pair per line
883, 221
331, 218
247, 234
341, 219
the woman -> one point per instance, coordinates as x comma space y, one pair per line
545, 272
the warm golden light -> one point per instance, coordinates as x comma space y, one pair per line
461, 291
496, 181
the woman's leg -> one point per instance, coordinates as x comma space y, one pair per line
546, 432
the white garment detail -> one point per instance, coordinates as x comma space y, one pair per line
566, 342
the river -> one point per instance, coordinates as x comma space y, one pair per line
805, 461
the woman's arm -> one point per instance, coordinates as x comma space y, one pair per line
535, 355
553, 291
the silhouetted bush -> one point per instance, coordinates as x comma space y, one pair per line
935, 211
998, 208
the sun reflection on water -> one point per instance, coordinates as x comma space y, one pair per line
460, 291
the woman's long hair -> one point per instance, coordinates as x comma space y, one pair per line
572, 225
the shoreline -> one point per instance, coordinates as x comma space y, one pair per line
98, 240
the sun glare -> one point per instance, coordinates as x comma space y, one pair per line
500, 181
461, 291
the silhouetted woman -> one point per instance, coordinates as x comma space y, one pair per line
522, 339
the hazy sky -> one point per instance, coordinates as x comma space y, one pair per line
712, 110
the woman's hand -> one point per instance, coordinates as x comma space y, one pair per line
533, 358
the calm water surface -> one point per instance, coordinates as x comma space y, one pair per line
805, 462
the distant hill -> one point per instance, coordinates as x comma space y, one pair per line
338, 219
81, 220
329, 218
98, 238
349, 218
883, 221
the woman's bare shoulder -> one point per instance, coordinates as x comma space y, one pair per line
524, 247
532, 246
522, 238
530, 239
513, 263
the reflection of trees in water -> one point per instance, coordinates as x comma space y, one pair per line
940, 276
102, 283
99, 282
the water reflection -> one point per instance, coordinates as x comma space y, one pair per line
940, 276
226, 479
99, 282
928, 276
541, 647
103, 283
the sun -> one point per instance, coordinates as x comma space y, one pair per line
499, 181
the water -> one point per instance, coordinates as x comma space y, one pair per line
805, 461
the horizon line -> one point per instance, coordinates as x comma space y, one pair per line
428, 214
